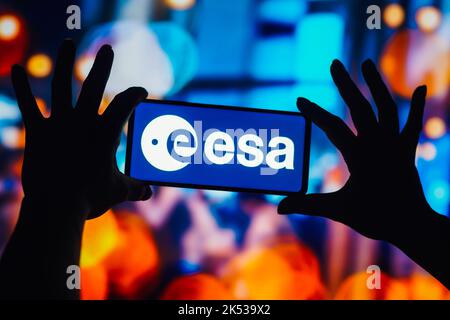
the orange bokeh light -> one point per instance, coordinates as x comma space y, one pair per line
100, 238
393, 15
289, 270
133, 265
119, 250
103, 105
246, 271
415, 287
42, 107
94, 283
425, 287
355, 288
196, 287
412, 58
83, 65
435, 128
300, 257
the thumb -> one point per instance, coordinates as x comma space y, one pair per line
120, 108
322, 205
137, 190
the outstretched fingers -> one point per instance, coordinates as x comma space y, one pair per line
413, 126
93, 87
334, 127
387, 108
62, 79
360, 109
25, 99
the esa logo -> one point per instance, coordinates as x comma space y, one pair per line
169, 143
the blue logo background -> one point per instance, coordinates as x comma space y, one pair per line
232, 175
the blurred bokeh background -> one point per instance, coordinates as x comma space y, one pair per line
200, 244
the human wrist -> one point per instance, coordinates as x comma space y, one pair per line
425, 221
49, 234
43, 212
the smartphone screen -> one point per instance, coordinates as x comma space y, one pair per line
218, 147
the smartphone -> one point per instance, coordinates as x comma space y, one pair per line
203, 146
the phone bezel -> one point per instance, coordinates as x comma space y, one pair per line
306, 154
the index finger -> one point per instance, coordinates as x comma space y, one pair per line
25, 99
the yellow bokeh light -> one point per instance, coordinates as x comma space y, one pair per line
180, 4
39, 65
425, 287
9, 27
428, 18
394, 15
435, 128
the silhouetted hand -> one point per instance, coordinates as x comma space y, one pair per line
383, 197
69, 174
383, 194
70, 156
